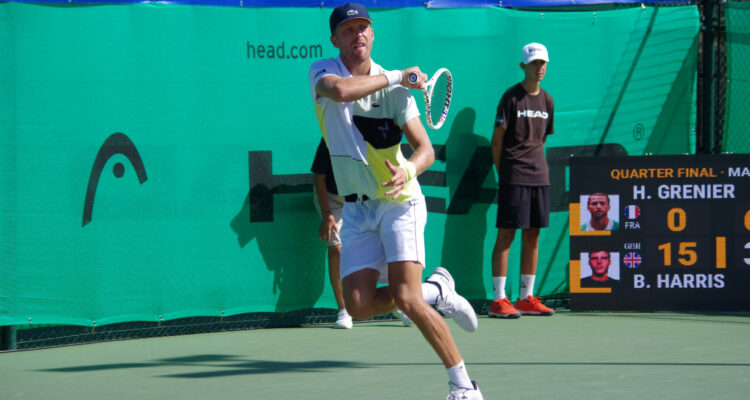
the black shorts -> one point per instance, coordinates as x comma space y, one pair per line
523, 207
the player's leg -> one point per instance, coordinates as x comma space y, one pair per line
343, 320
335, 205
405, 283
406, 287
501, 307
501, 251
402, 236
527, 303
529, 250
529, 258
363, 298
507, 221
334, 273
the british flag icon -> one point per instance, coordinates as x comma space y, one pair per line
632, 260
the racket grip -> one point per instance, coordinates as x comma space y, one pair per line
413, 77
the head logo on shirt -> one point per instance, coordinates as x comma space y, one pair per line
532, 114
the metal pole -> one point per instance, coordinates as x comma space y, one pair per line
707, 28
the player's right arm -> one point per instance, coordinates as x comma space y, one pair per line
353, 88
327, 220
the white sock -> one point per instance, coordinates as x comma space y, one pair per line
498, 283
430, 293
527, 286
459, 376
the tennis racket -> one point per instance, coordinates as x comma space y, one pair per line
437, 96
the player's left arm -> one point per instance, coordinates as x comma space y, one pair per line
423, 157
551, 122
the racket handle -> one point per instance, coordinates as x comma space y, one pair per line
413, 77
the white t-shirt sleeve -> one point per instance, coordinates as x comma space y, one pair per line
403, 104
318, 70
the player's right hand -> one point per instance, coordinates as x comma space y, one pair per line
327, 225
421, 78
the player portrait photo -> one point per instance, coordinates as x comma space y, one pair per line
600, 268
601, 212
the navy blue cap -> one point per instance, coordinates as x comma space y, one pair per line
347, 11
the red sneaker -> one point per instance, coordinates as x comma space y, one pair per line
502, 309
533, 306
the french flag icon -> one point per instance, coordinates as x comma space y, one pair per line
632, 212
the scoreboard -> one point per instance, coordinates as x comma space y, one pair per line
660, 233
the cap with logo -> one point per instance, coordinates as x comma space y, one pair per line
534, 51
347, 11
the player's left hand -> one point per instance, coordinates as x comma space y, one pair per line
398, 180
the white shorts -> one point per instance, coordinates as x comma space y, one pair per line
336, 205
378, 232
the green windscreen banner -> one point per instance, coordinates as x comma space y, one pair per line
155, 159
737, 118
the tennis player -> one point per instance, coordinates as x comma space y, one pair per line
364, 111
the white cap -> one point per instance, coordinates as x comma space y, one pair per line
534, 51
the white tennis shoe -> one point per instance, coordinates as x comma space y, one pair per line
344, 320
450, 303
459, 393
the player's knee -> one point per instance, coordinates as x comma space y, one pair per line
359, 313
505, 237
406, 301
530, 235
358, 309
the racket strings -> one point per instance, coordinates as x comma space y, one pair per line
440, 99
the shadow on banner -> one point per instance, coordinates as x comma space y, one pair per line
299, 271
466, 220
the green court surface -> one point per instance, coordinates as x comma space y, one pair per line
567, 356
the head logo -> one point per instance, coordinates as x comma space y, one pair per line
352, 12
117, 143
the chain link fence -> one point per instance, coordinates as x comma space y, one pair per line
733, 77
41, 336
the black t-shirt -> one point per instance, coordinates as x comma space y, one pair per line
527, 120
588, 282
322, 165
